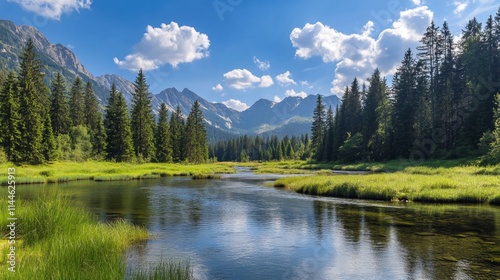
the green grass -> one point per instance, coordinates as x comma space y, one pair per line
58, 240
106, 171
460, 184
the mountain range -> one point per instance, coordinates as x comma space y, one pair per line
291, 116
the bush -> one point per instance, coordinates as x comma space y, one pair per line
3, 156
352, 148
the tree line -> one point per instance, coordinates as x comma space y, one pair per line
441, 103
258, 148
40, 123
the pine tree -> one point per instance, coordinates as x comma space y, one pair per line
59, 107
318, 129
77, 103
117, 122
142, 120
10, 119
196, 148
163, 147
493, 156
431, 57
94, 122
374, 99
329, 135
405, 104
49, 147
31, 102
177, 135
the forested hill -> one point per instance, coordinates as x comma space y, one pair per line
444, 102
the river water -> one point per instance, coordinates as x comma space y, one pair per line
236, 227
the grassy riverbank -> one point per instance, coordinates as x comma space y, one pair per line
437, 182
107, 171
58, 240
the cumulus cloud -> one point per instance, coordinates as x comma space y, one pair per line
242, 79
266, 81
169, 44
263, 65
417, 2
218, 87
293, 93
357, 55
236, 105
277, 99
53, 9
285, 79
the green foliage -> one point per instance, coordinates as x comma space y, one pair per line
77, 103
64, 149
176, 127
493, 155
94, 122
163, 146
317, 129
196, 148
59, 107
10, 119
31, 105
261, 149
352, 148
81, 144
142, 120
117, 123
49, 145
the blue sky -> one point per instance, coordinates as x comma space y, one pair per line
238, 51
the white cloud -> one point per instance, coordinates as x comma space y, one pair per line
53, 9
266, 81
357, 55
277, 99
293, 93
460, 6
218, 87
242, 79
236, 105
285, 79
263, 65
169, 44
417, 2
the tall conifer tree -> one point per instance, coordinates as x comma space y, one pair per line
196, 148
10, 119
77, 103
117, 122
59, 107
163, 146
142, 120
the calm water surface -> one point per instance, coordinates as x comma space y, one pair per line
237, 228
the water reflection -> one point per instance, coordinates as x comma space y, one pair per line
239, 229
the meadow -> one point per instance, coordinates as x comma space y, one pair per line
434, 182
64, 171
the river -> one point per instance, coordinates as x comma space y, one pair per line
236, 227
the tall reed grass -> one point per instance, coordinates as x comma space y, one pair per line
58, 240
